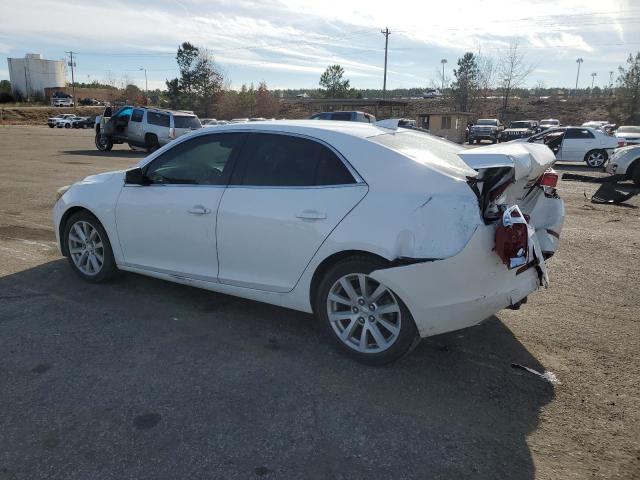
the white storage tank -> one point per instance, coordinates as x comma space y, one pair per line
30, 75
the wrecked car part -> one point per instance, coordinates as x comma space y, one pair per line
512, 238
608, 193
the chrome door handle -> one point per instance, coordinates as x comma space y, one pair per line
311, 215
199, 210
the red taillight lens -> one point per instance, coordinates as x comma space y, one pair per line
549, 179
622, 142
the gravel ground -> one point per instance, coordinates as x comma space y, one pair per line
145, 379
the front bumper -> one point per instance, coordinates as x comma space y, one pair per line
462, 290
484, 135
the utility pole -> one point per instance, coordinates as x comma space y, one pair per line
443, 62
26, 82
593, 78
386, 34
146, 86
579, 62
72, 64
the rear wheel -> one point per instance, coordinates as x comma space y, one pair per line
367, 320
635, 173
595, 158
88, 248
103, 142
151, 142
51, 125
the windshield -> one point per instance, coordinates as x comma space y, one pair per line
428, 150
487, 121
186, 122
520, 125
629, 129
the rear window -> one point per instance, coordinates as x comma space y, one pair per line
186, 122
428, 150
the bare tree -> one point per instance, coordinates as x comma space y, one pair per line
513, 70
486, 82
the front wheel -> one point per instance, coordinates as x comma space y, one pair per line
596, 158
88, 248
151, 143
103, 142
367, 320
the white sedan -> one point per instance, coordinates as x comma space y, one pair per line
387, 235
577, 144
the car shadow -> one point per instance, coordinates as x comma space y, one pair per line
112, 153
141, 377
576, 167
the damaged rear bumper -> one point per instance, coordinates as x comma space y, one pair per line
462, 290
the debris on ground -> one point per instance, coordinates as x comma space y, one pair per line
547, 375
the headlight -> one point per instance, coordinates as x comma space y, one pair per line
61, 191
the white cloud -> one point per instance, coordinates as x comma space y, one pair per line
303, 37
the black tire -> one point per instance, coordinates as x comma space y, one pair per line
51, 126
407, 337
104, 143
108, 268
635, 173
151, 143
590, 160
67, 125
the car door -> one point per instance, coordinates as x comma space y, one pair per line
168, 225
285, 197
576, 143
135, 134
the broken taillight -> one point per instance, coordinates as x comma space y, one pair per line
549, 179
512, 238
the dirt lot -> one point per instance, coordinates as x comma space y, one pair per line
145, 379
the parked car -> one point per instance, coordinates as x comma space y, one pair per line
149, 128
625, 162
406, 237
63, 102
486, 129
519, 129
83, 122
628, 135
597, 124
431, 93
345, 116
89, 101
548, 123
68, 122
53, 121
577, 144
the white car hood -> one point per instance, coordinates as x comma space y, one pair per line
529, 160
101, 177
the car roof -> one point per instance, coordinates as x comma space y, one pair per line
356, 129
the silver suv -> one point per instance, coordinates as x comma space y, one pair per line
149, 128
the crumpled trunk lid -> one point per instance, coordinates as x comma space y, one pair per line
507, 173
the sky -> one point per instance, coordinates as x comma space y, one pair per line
289, 43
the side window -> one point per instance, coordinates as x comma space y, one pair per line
446, 123
287, 161
137, 115
578, 133
160, 119
201, 161
330, 169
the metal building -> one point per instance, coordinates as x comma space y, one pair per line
32, 74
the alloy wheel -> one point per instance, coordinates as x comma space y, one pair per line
86, 248
595, 159
364, 314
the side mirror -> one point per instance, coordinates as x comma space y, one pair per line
134, 177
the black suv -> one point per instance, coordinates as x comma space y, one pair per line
519, 129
